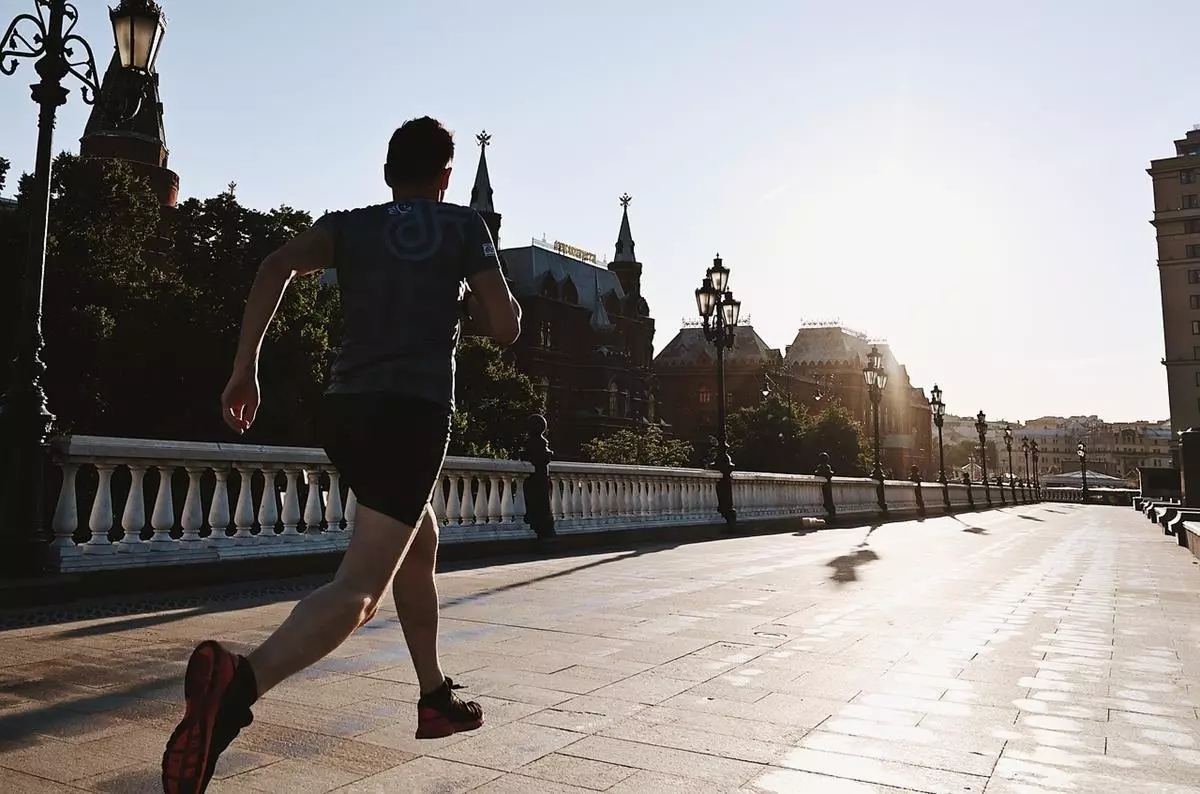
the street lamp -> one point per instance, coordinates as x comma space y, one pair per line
1081, 451
25, 417
1025, 452
876, 380
939, 419
1037, 480
719, 313
981, 429
1012, 478
138, 28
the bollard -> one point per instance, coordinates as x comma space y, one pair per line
537, 486
825, 471
1000, 485
970, 494
915, 475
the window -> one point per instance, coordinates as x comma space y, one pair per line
545, 333
1195, 301
706, 393
612, 398
1196, 327
1194, 276
1197, 379
1192, 251
1187, 177
1196, 352
1191, 227
1191, 201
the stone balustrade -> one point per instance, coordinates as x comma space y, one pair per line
127, 503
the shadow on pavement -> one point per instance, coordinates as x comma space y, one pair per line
1032, 518
969, 528
466, 599
845, 568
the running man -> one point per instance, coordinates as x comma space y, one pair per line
403, 269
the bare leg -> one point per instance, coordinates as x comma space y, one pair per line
326, 617
416, 598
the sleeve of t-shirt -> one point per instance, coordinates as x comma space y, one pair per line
332, 223
479, 250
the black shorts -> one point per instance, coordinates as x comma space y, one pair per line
388, 448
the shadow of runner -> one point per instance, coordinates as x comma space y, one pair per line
976, 530
845, 568
1032, 518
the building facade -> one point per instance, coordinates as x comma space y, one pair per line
587, 336
1176, 183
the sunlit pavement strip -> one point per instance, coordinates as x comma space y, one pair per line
1050, 648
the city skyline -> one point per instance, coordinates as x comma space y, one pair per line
904, 170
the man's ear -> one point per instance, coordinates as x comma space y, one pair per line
387, 175
445, 183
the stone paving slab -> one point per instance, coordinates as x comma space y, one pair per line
1049, 648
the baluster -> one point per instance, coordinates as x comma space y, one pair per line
244, 510
480, 507
606, 499
467, 509
163, 517
493, 502
333, 506
439, 499
66, 512
351, 511
268, 505
193, 513
133, 520
518, 499
218, 510
312, 505
555, 500
101, 519
506, 499
641, 507
596, 498
290, 515
453, 504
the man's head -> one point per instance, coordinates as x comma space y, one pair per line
419, 156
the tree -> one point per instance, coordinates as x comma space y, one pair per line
836, 432
769, 437
494, 399
4, 166
647, 446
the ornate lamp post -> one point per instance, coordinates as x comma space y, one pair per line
981, 429
1025, 452
719, 313
1033, 454
1012, 477
1081, 451
876, 379
25, 418
939, 419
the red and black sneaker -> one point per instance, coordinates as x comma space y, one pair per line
443, 713
219, 689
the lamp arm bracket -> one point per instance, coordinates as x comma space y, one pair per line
16, 44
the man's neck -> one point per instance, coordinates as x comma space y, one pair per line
415, 193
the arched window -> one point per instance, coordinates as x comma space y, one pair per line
569, 293
550, 287
612, 398
706, 394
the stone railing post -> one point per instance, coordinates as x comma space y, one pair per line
1189, 464
538, 512
1000, 487
825, 471
970, 493
915, 476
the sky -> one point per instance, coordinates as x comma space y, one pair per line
964, 180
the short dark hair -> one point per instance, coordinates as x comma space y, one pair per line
419, 151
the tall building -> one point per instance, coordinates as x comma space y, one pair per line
1176, 182
588, 337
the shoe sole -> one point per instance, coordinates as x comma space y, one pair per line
443, 727
186, 756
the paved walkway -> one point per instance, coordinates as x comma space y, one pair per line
1048, 648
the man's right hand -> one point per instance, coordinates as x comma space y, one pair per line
240, 400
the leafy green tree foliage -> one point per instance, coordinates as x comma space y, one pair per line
647, 446
763, 438
494, 402
4, 166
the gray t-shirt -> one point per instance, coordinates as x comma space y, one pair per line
402, 269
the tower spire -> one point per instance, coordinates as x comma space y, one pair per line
481, 193
625, 236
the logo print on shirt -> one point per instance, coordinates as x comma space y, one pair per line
413, 233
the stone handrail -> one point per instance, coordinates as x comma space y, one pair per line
305, 509
126, 503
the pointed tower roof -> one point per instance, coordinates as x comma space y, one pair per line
481, 193
600, 320
625, 237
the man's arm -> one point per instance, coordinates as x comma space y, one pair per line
309, 252
491, 304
